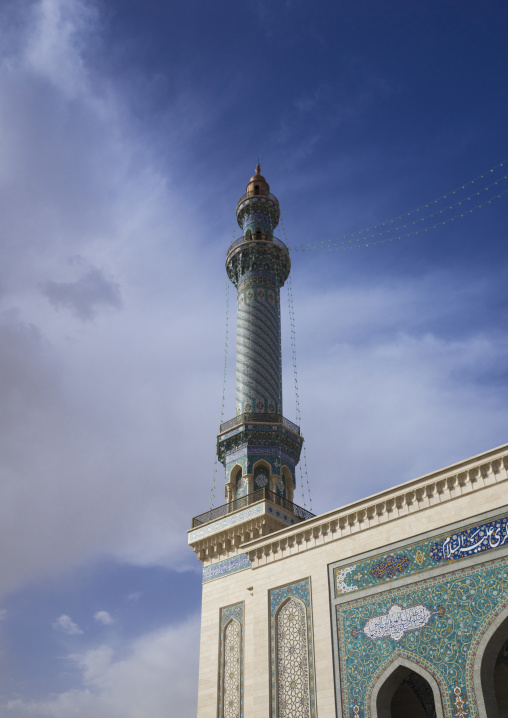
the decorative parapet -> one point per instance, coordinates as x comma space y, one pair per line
259, 419
287, 507
448, 484
221, 538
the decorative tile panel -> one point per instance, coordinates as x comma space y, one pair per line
293, 692
231, 651
415, 558
433, 622
280, 514
224, 568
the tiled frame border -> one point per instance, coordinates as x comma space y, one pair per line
435, 572
235, 611
240, 562
276, 596
417, 564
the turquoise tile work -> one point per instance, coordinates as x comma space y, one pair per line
226, 567
437, 623
231, 657
293, 690
413, 559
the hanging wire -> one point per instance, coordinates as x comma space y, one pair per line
367, 240
423, 207
224, 378
303, 474
280, 408
224, 381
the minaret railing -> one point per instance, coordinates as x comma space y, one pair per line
252, 238
260, 495
252, 193
259, 419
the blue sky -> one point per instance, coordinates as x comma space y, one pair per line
128, 131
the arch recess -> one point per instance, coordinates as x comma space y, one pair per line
495, 634
387, 683
261, 468
288, 481
292, 683
231, 669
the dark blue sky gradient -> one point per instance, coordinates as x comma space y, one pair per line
130, 129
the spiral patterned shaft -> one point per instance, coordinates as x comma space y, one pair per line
258, 347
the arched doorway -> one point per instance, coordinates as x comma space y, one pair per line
413, 697
405, 689
501, 680
491, 665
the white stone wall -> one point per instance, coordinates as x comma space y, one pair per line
293, 563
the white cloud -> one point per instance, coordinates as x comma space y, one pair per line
104, 617
135, 596
158, 671
104, 406
3, 614
66, 624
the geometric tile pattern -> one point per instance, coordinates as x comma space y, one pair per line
231, 675
231, 651
293, 690
224, 568
437, 551
258, 357
292, 669
443, 617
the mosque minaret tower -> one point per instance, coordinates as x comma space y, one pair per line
259, 448
394, 605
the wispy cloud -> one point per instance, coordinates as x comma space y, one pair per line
66, 624
104, 617
127, 686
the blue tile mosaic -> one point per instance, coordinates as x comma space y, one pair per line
435, 623
231, 661
281, 665
226, 567
420, 556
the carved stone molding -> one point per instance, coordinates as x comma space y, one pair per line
449, 484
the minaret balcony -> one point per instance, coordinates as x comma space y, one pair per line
259, 196
220, 533
287, 511
254, 238
258, 419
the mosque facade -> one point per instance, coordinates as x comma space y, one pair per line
395, 606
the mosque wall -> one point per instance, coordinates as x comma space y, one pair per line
353, 607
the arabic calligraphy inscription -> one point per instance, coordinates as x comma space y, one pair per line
397, 622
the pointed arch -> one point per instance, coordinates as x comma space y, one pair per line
287, 477
262, 475
237, 482
380, 693
491, 637
292, 680
230, 674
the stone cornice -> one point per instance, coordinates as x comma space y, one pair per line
222, 538
448, 484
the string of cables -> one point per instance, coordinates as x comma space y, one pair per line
454, 205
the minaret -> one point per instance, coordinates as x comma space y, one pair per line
259, 448
258, 264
